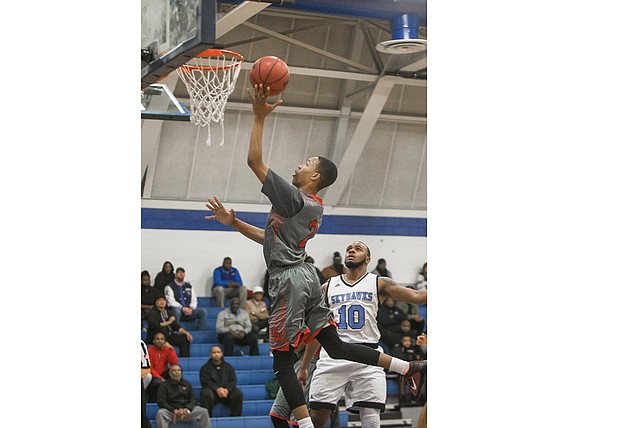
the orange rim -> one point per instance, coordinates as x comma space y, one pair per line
213, 53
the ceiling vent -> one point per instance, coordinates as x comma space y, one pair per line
404, 36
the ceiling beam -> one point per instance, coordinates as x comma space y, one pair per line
314, 49
360, 137
238, 15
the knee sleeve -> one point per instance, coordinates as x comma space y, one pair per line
283, 362
370, 417
338, 350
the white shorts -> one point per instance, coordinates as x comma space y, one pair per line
360, 384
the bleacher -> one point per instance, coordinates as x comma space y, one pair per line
252, 374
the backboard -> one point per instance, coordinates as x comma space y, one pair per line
158, 102
173, 32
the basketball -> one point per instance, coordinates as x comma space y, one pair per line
270, 71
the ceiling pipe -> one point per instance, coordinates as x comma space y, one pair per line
377, 9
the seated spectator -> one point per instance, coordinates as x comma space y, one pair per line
257, 309
146, 371
219, 384
389, 319
382, 269
227, 283
335, 269
318, 271
161, 357
149, 295
420, 281
177, 402
165, 277
420, 284
233, 327
160, 321
183, 302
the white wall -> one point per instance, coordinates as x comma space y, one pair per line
199, 252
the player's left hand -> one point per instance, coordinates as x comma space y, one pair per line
220, 213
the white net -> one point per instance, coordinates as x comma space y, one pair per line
210, 80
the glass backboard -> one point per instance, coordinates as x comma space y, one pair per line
173, 32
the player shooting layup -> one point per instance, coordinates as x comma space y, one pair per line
298, 311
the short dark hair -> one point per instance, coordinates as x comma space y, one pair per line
180, 269
145, 273
328, 171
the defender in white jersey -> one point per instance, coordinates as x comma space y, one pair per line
354, 299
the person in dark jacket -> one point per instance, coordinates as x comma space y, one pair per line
219, 384
161, 321
177, 402
165, 277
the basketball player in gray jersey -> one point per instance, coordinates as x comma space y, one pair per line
298, 311
354, 299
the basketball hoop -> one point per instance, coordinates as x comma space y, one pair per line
210, 81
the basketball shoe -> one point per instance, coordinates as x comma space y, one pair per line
413, 377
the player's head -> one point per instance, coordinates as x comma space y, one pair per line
328, 171
317, 172
357, 255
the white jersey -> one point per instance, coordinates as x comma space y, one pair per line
355, 308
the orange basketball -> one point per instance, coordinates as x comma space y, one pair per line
270, 71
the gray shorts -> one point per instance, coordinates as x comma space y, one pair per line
298, 310
280, 408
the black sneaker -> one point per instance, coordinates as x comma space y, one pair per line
413, 377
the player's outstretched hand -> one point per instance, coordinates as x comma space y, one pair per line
220, 213
258, 96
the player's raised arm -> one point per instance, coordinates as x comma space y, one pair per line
388, 287
229, 218
261, 108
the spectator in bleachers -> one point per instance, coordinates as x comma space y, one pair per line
318, 271
183, 302
257, 309
149, 295
233, 327
145, 370
420, 281
219, 384
227, 283
382, 269
177, 402
335, 269
420, 284
162, 358
389, 318
161, 321
165, 277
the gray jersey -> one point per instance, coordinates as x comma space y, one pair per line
294, 218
